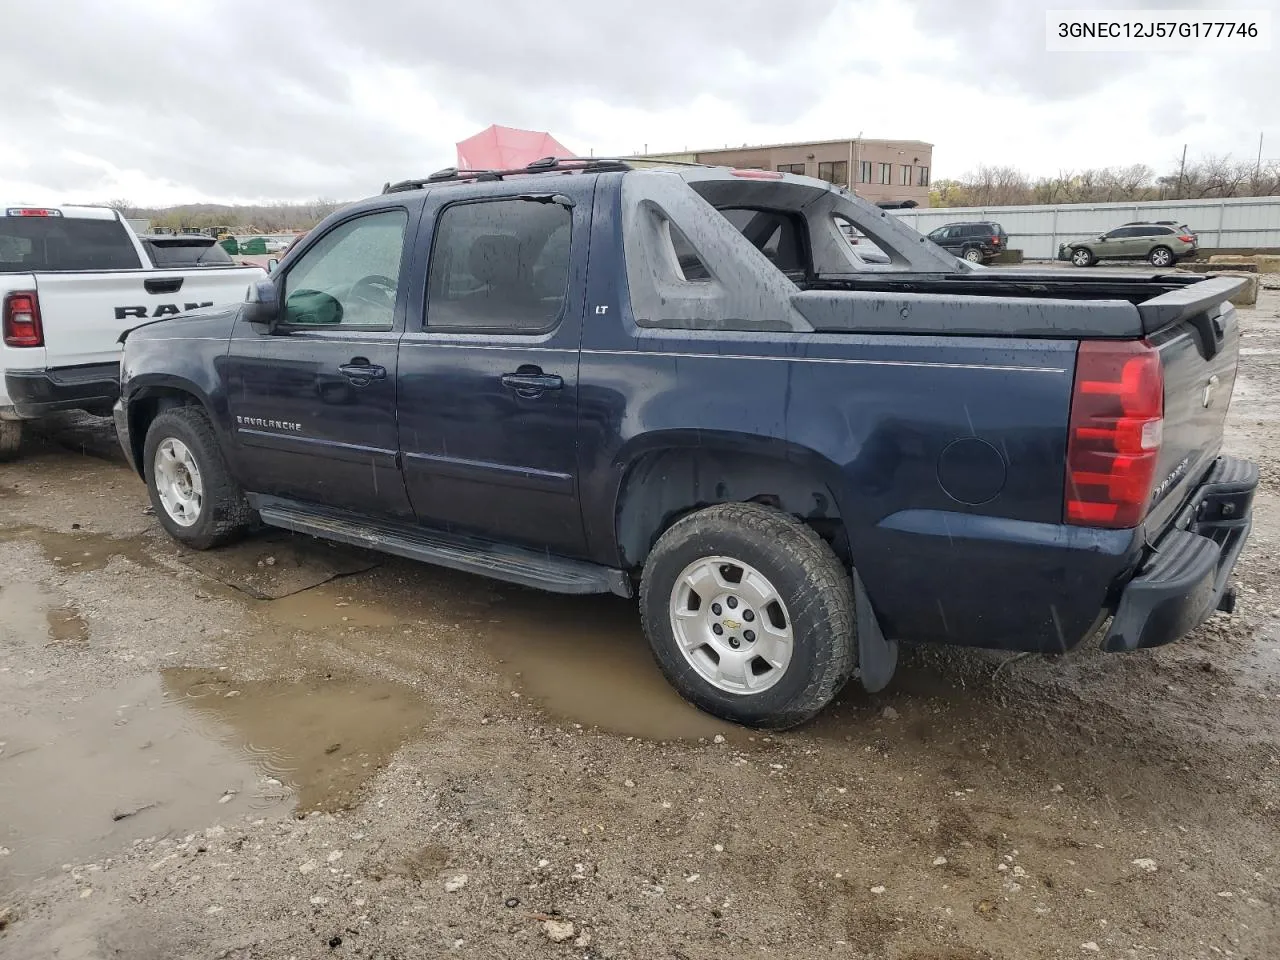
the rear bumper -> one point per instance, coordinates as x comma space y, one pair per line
36, 393
1186, 577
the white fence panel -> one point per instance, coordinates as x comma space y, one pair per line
1037, 230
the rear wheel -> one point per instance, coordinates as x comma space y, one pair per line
192, 491
10, 439
1082, 257
749, 614
972, 254
1161, 257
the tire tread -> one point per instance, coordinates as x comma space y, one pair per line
827, 596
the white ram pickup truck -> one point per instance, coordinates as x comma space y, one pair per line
72, 279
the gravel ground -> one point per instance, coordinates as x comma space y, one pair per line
388, 761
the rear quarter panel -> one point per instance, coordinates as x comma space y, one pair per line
944, 456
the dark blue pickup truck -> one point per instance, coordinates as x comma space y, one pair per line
679, 384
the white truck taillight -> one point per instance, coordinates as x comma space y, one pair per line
1115, 432
21, 320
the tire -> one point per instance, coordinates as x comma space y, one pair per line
10, 439
813, 605
220, 513
972, 254
1083, 257
1161, 257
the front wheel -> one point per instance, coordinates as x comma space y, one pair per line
749, 614
193, 493
1082, 257
973, 255
1161, 257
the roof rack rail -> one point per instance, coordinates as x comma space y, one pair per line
544, 165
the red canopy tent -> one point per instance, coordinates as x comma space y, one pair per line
505, 148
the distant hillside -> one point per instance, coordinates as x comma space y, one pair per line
262, 218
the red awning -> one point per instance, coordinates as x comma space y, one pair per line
505, 148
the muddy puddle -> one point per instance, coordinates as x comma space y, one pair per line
177, 752
80, 550
80, 778
583, 659
322, 738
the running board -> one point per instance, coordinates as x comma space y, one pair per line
498, 561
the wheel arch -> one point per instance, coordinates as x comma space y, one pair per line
666, 476
148, 399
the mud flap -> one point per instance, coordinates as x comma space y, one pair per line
877, 656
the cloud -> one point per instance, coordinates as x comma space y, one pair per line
249, 100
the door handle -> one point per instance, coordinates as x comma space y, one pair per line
163, 284
531, 383
361, 372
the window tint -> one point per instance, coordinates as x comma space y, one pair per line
1118, 233
773, 234
186, 253
499, 265
53, 244
350, 275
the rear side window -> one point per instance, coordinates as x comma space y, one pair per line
499, 265
773, 234
186, 253
59, 244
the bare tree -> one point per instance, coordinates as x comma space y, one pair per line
125, 207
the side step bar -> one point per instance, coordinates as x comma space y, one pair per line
498, 561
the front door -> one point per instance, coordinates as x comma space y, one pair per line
489, 378
313, 400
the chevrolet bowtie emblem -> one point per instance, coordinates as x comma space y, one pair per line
732, 624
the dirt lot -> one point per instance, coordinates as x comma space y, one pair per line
287, 750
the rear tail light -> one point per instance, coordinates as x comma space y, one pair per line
1116, 427
1187, 238
995, 241
32, 212
22, 320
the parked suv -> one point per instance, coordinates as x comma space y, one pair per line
1162, 244
976, 242
685, 387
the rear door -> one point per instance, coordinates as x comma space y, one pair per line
489, 370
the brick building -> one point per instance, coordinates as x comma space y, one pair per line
881, 171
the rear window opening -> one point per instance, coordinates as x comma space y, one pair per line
64, 244
186, 252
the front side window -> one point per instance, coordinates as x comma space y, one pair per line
500, 265
350, 276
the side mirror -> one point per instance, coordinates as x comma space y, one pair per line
272, 264
1102, 238
262, 303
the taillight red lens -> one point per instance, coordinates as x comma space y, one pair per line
1187, 238
22, 320
995, 241
1116, 427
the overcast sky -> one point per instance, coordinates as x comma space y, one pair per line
164, 102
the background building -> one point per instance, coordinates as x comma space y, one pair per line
877, 170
